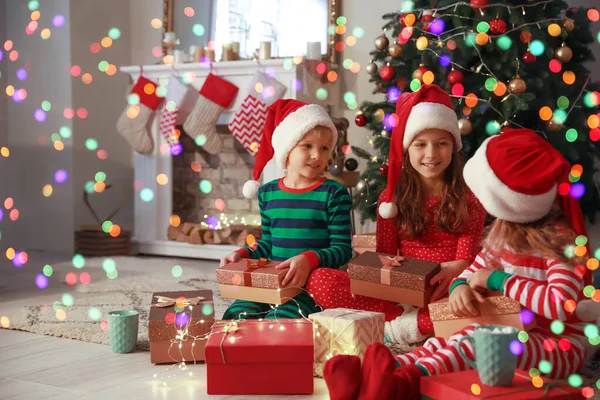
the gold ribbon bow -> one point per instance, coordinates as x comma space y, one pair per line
388, 263
261, 262
164, 301
228, 327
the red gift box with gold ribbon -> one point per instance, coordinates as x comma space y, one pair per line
255, 280
260, 357
466, 385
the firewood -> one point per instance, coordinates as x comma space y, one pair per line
173, 233
196, 237
208, 237
225, 233
217, 237
187, 228
240, 240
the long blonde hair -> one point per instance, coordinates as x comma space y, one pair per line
547, 237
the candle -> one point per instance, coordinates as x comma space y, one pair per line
313, 50
179, 56
265, 51
227, 53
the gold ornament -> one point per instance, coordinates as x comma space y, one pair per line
418, 74
385, 134
382, 42
563, 54
553, 126
395, 50
465, 126
569, 24
517, 85
361, 185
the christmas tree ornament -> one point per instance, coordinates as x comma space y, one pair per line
351, 164
361, 185
395, 50
517, 85
382, 42
402, 83
455, 76
529, 57
372, 68
216, 95
553, 126
418, 74
133, 122
387, 73
465, 126
526, 37
563, 54
336, 169
569, 24
383, 170
360, 120
385, 134
426, 19
497, 26
401, 19
477, 5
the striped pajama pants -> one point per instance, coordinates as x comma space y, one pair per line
298, 307
440, 356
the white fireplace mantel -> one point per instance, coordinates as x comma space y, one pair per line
151, 218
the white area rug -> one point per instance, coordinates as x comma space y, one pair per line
138, 278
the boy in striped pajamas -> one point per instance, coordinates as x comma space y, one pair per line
305, 217
515, 176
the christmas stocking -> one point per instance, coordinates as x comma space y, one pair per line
176, 92
216, 95
132, 123
248, 122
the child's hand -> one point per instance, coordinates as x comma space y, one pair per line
461, 301
450, 270
230, 258
298, 273
479, 279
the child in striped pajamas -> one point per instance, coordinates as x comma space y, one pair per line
305, 217
515, 176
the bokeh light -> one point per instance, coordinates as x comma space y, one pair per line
176, 271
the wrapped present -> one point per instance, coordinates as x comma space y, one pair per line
255, 280
260, 357
466, 385
179, 318
364, 242
345, 331
497, 310
394, 278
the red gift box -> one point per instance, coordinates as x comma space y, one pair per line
260, 357
462, 385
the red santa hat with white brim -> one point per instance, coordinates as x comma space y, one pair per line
428, 108
515, 176
287, 122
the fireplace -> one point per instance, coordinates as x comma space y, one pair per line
181, 197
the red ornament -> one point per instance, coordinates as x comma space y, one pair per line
497, 26
387, 73
383, 170
529, 57
402, 83
478, 4
418, 73
426, 20
401, 19
360, 120
526, 37
455, 77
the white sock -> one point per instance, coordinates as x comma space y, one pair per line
404, 329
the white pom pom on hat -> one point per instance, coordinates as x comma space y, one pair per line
288, 120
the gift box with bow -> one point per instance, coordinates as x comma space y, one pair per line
466, 385
393, 278
179, 324
364, 242
260, 357
255, 280
496, 310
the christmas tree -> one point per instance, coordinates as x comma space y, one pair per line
515, 63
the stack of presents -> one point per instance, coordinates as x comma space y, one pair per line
281, 356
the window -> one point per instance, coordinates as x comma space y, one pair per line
289, 24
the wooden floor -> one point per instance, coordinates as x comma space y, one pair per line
43, 367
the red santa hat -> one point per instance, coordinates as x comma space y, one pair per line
428, 108
287, 122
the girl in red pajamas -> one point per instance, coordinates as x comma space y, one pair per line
434, 216
515, 176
